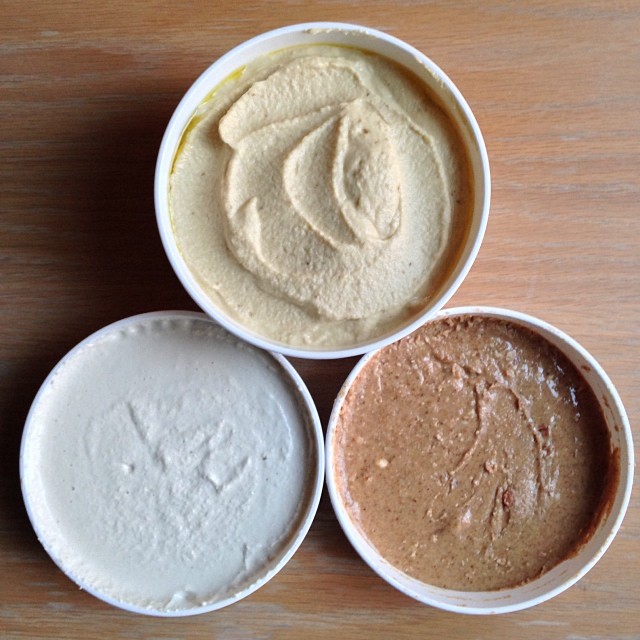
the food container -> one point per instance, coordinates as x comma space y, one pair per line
151, 451
230, 66
564, 574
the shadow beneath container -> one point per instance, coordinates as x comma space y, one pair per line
100, 257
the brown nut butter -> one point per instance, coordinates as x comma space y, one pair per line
472, 454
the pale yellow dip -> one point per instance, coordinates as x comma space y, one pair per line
320, 196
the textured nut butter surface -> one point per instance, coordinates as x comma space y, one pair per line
321, 196
472, 454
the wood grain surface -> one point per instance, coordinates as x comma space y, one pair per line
86, 89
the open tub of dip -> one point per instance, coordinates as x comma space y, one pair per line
170, 468
482, 464
322, 189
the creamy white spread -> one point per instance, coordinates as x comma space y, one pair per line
167, 464
320, 195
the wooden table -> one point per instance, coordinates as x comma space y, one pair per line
86, 90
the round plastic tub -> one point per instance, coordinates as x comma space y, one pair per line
564, 574
169, 468
363, 38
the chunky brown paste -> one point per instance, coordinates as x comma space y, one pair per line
472, 454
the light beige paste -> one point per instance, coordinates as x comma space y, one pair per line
320, 196
473, 455
168, 465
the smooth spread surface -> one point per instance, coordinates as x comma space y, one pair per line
472, 454
167, 464
320, 196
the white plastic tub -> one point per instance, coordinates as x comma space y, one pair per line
563, 575
169, 468
352, 36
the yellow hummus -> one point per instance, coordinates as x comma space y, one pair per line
320, 195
